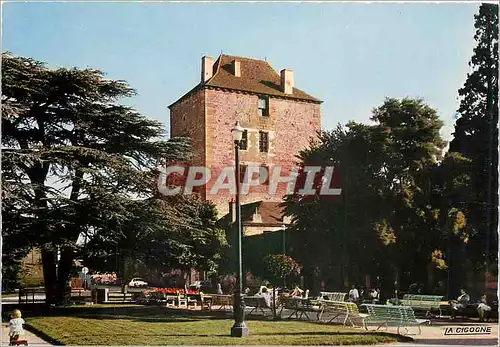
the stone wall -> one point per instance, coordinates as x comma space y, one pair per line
290, 125
187, 119
207, 117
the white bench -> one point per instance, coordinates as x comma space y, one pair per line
333, 296
301, 305
257, 303
389, 315
423, 302
223, 301
338, 308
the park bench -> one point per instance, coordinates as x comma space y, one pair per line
392, 315
205, 301
470, 311
301, 305
223, 301
257, 303
339, 308
425, 303
80, 296
201, 299
332, 296
29, 295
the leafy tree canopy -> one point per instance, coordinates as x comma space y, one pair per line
78, 162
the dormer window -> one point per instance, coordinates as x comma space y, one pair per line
263, 106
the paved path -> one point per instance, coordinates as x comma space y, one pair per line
434, 334
33, 340
15, 299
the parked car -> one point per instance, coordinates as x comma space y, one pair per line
137, 282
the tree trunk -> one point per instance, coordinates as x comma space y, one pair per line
63, 290
128, 270
49, 275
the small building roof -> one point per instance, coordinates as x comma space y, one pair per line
271, 214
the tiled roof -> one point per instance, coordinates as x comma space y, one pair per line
257, 76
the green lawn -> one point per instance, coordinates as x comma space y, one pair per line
143, 325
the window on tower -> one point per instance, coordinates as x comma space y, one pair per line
263, 141
264, 106
244, 141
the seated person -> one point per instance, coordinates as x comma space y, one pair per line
266, 294
262, 289
297, 292
482, 308
413, 289
375, 296
353, 294
459, 304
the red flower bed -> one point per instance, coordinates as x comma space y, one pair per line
171, 291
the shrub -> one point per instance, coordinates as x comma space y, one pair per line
280, 265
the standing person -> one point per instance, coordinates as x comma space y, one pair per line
219, 289
353, 294
16, 327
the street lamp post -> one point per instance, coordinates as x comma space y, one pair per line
239, 328
283, 228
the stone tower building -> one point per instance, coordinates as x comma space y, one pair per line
279, 120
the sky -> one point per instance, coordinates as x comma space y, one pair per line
350, 55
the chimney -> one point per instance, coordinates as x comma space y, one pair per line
287, 81
256, 218
206, 68
236, 68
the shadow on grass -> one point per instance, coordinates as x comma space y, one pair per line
138, 312
136, 319
43, 335
42, 310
